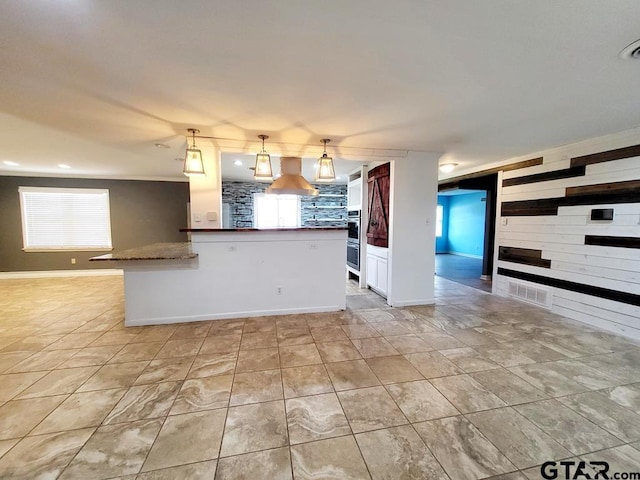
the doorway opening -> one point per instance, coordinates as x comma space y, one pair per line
465, 231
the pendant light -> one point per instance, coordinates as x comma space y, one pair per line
325, 171
263, 162
193, 159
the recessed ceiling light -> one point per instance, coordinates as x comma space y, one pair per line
448, 167
11, 163
237, 163
632, 51
162, 145
63, 165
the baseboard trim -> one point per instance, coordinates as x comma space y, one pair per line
98, 272
229, 315
411, 303
468, 255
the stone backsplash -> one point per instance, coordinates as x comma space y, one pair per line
328, 209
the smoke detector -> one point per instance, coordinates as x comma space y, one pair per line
631, 52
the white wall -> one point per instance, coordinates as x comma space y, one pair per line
414, 196
561, 238
205, 192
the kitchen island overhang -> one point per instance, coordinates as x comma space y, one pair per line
234, 273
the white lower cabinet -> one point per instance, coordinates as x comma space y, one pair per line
377, 270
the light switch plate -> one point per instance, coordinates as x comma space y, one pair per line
212, 216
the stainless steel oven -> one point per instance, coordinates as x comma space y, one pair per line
353, 239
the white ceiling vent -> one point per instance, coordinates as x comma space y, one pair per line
530, 294
632, 51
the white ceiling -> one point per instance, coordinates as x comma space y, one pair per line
95, 84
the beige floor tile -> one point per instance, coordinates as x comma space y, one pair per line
469, 360
294, 336
165, 369
258, 359
250, 428
462, 450
80, 410
315, 417
210, 365
254, 387
390, 328
328, 334
157, 333
8, 360
330, 458
117, 375
338, 351
114, 450
374, 347
91, 356
59, 382
409, 343
508, 387
440, 340
18, 417
114, 338
6, 445
259, 340
351, 374
620, 459
220, 344
420, 401
192, 471
144, 401
524, 444
260, 325
226, 327
626, 395
42, 456
43, 361
393, 369
206, 393
191, 330
370, 409
12, 384
466, 394
307, 380
360, 331
135, 352
398, 452
299, 355
180, 348
188, 438
572, 431
273, 464
73, 340
433, 364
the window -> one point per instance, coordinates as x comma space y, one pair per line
65, 218
273, 211
439, 218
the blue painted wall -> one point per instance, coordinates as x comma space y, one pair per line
442, 243
466, 223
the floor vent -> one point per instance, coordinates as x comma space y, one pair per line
531, 294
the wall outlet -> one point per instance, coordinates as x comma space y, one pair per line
73, 261
278, 290
313, 246
197, 217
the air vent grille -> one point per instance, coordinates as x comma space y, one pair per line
530, 294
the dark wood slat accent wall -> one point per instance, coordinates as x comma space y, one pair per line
549, 206
630, 186
546, 176
603, 241
608, 156
524, 256
453, 183
606, 293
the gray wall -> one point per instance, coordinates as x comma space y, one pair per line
141, 213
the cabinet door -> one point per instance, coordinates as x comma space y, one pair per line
372, 271
381, 275
378, 206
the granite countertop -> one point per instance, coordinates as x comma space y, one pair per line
298, 229
156, 251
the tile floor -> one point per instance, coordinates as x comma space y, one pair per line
475, 387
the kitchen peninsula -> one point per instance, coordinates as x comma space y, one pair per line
232, 273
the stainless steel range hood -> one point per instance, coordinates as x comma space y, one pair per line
291, 182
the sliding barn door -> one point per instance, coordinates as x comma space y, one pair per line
378, 227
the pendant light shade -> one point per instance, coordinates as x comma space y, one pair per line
263, 162
325, 171
193, 159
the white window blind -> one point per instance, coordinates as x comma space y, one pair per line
273, 211
439, 220
65, 218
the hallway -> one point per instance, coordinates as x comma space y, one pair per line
460, 269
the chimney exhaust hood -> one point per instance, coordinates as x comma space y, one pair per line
291, 182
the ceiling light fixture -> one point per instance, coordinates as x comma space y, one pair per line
237, 163
63, 165
162, 145
193, 164
448, 167
631, 51
325, 171
263, 162
11, 163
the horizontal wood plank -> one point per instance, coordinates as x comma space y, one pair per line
608, 156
